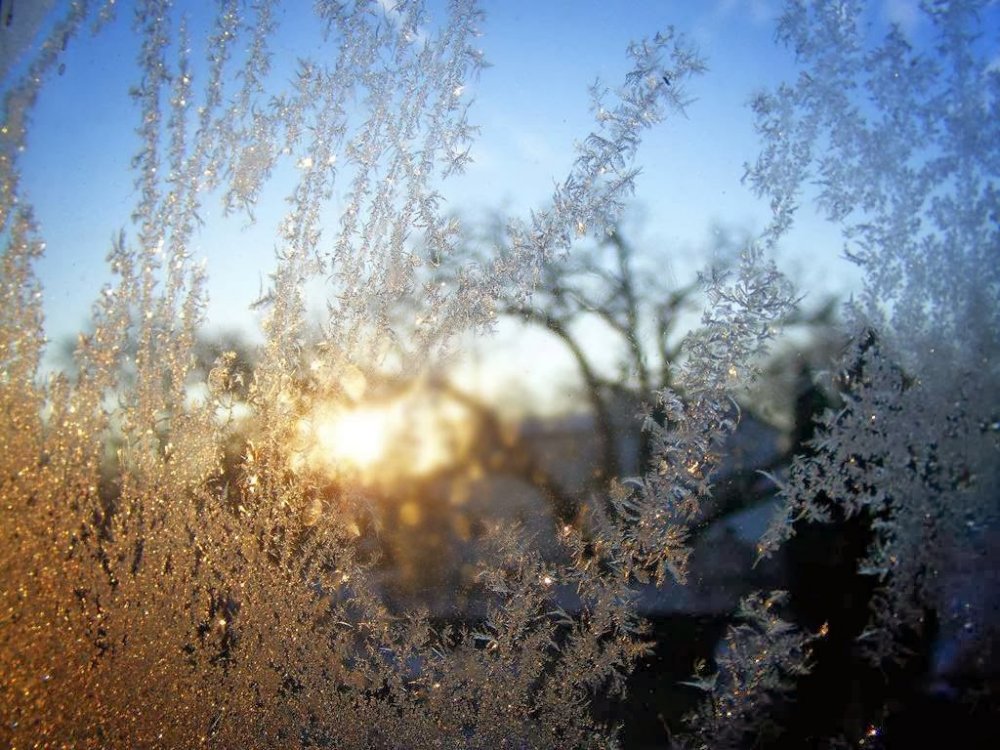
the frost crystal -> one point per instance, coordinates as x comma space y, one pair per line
173, 569
900, 140
181, 566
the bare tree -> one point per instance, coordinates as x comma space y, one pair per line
643, 313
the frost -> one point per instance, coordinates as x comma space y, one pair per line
180, 564
761, 657
900, 142
166, 518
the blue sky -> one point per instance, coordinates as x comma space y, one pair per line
531, 106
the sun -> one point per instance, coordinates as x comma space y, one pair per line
381, 443
358, 437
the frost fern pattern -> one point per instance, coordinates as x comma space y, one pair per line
900, 142
239, 593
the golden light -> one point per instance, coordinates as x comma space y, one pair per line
358, 437
381, 443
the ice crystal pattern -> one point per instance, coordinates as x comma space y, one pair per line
898, 137
154, 595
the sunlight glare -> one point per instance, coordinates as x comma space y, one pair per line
381, 443
357, 436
